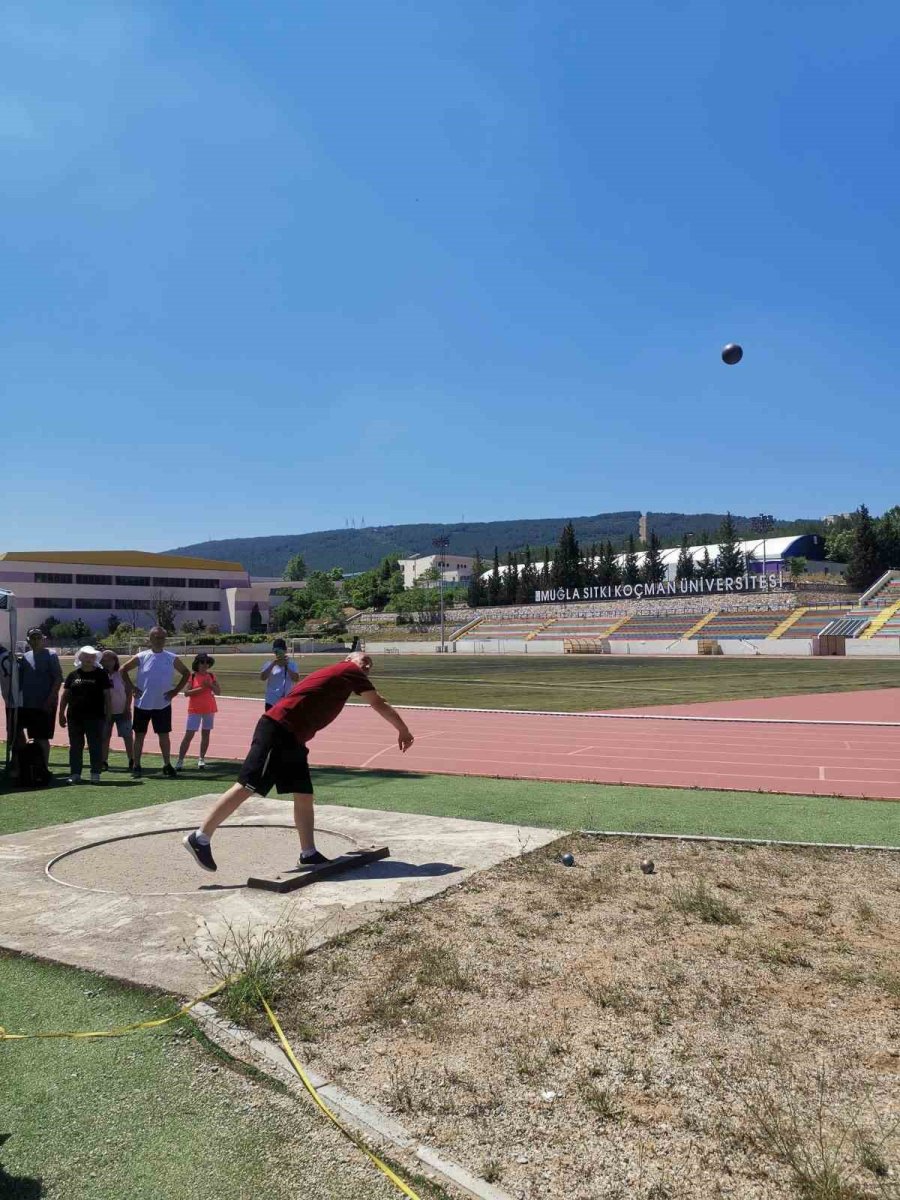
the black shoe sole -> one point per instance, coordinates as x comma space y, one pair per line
186, 842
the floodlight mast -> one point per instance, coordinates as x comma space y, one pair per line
440, 544
8, 605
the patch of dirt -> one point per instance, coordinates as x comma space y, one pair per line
726, 1027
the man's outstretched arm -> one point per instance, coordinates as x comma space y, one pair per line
381, 706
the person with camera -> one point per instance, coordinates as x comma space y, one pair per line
279, 675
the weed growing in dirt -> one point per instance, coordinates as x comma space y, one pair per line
697, 900
492, 1171
256, 962
404, 1088
600, 1099
614, 996
783, 954
865, 913
413, 984
816, 1131
889, 981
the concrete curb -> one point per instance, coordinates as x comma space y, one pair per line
366, 1119
731, 841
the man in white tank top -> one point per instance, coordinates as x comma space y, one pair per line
154, 692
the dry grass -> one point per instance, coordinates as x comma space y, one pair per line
729, 1026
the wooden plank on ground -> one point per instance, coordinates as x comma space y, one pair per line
301, 877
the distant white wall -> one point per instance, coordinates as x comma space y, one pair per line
656, 647
885, 647
507, 646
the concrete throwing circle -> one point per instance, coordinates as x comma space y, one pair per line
155, 863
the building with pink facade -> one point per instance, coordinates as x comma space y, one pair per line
95, 584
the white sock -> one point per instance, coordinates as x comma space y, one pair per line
307, 853
202, 838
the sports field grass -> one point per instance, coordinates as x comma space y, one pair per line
579, 684
565, 806
156, 1115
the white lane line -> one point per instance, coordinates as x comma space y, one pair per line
393, 746
580, 750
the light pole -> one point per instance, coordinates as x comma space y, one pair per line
762, 525
441, 544
11, 688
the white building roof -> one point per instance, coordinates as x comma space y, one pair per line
776, 547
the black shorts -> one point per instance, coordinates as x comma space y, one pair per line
161, 719
276, 759
37, 723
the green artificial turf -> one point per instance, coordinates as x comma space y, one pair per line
512, 801
118, 792
150, 1116
616, 807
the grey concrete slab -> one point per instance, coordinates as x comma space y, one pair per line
138, 908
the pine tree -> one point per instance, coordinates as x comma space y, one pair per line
528, 579
653, 570
495, 583
730, 561
864, 565
684, 568
510, 579
566, 569
611, 567
707, 566
294, 568
590, 566
631, 572
887, 530
546, 566
477, 592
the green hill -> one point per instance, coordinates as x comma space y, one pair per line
360, 549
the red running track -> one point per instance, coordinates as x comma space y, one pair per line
740, 750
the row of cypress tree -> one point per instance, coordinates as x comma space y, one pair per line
568, 565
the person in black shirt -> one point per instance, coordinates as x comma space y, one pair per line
85, 707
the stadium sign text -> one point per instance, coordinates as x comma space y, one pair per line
681, 587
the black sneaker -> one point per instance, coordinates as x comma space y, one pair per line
202, 854
104, 766
137, 772
312, 860
169, 771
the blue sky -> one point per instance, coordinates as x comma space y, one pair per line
268, 268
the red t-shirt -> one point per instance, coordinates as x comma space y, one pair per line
317, 699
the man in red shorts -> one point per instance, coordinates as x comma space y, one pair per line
278, 755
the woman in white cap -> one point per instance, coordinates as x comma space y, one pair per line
85, 709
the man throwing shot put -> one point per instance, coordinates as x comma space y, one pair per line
278, 755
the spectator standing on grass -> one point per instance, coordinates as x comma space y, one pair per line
201, 691
120, 708
85, 709
40, 678
10, 702
155, 692
279, 756
279, 675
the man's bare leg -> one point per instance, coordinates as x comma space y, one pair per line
224, 807
138, 747
165, 745
198, 842
305, 820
